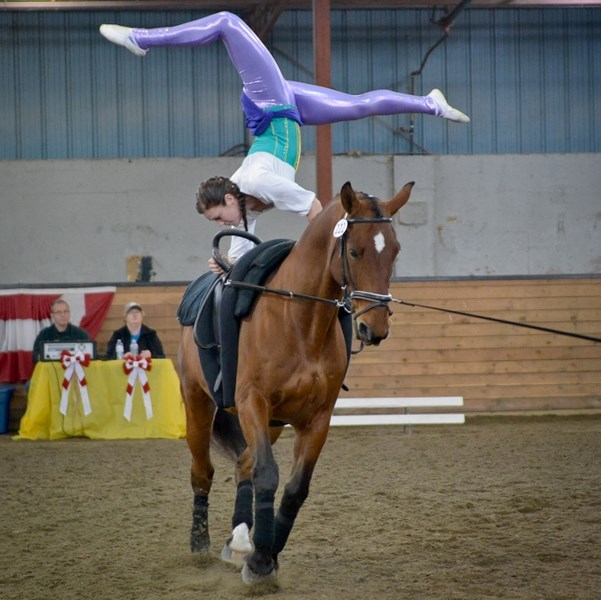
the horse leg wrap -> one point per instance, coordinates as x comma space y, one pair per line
199, 535
263, 535
283, 527
243, 510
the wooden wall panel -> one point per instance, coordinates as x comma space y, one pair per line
495, 367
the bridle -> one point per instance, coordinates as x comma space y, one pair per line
377, 300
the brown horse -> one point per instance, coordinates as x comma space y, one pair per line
292, 362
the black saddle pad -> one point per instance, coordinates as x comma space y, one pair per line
193, 297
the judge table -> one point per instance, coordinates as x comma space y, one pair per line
101, 400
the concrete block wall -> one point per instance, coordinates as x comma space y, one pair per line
79, 221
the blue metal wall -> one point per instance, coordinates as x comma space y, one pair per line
529, 78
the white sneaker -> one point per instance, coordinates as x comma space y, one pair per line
446, 110
122, 37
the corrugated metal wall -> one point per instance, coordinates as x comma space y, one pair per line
529, 78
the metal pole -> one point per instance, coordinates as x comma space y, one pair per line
322, 69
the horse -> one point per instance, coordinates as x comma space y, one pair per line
292, 361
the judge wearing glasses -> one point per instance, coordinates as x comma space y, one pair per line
61, 330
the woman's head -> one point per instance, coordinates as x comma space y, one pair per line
221, 200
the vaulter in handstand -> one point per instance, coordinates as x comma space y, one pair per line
275, 109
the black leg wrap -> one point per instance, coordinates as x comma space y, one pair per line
263, 535
243, 511
199, 535
283, 527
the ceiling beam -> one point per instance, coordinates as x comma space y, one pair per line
246, 5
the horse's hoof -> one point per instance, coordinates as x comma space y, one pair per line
251, 578
260, 571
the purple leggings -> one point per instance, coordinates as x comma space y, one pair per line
264, 83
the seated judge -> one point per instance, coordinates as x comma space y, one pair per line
61, 330
149, 344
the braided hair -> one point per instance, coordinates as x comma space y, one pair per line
212, 193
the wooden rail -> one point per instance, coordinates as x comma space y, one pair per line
364, 411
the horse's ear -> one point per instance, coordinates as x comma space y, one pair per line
398, 201
348, 198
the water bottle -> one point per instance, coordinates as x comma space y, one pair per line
120, 351
133, 348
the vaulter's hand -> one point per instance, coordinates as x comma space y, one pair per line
213, 266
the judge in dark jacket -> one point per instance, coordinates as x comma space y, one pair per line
149, 344
61, 330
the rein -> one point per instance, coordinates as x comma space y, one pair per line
287, 293
581, 336
384, 299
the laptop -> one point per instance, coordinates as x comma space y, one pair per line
51, 351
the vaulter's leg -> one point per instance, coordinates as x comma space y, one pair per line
319, 106
260, 74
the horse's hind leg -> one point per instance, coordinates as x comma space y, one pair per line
199, 424
200, 412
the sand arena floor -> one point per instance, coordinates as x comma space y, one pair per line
496, 508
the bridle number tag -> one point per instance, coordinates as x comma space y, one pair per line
340, 228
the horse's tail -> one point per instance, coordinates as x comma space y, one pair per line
227, 434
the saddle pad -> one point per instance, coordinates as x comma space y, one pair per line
193, 297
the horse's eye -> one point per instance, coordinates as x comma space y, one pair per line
353, 253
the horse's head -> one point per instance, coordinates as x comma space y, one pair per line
367, 250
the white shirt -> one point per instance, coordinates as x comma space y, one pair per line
271, 181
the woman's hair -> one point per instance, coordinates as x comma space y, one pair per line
212, 193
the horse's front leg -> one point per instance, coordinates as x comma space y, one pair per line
254, 419
307, 447
239, 546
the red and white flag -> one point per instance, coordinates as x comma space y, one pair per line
24, 312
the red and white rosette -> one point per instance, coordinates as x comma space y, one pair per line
136, 367
74, 364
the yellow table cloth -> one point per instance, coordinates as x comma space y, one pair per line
106, 383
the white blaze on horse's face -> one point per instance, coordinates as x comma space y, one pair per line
379, 242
